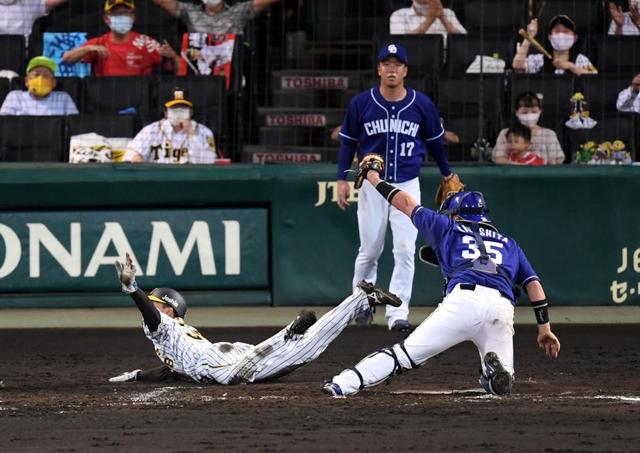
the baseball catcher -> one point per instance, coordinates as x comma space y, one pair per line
186, 354
482, 269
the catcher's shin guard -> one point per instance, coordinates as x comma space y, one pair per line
496, 380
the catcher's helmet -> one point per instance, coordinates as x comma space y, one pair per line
468, 205
170, 297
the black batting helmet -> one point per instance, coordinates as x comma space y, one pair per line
170, 297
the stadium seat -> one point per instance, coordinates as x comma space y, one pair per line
616, 126
207, 94
416, 81
469, 129
5, 87
339, 20
105, 125
601, 92
462, 51
587, 14
618, 55
111, 95
78, 15
498, 17
32, 139
425, 52
555, 91
13, 53
461, 95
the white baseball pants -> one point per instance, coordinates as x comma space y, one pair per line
277, 356
374, 213
482, 316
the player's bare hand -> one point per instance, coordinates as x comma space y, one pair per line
343, 194
102, 51
548, 341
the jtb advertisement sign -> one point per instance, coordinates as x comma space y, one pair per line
182, 248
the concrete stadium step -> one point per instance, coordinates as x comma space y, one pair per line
311, 99
313, 79
292, 116
260, 154
296, 136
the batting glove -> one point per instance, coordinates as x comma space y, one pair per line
127, 376
127, 275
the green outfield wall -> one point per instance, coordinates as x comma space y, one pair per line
274, 234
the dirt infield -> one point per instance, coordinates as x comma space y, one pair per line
57, 398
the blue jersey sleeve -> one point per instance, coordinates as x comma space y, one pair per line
349, 137
525, 273
431, 225
433, 135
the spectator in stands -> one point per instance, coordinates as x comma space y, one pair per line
562, 37
17, 16
122, 52
519, 146
544, 141
176, 139
425, 16
215, 16
39, 98
625, 23
628, 99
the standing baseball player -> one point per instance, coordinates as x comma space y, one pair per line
399, 123
481, 268
176, 139
186, 353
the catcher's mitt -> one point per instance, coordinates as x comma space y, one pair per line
452, 185
369, 162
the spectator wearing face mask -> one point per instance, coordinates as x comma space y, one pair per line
625, 23
215, 16
176, 139
17, 16
562, 38
39, 99
544, 141
425, 16
122, 52
628, 99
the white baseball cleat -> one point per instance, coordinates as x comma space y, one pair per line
127, 376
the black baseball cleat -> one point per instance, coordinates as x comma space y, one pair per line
379, 296
401, 325
500, 380
301, 324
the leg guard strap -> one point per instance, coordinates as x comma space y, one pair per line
413, 365
355, 370
397, 368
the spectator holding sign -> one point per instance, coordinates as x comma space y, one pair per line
122, 52
215, 16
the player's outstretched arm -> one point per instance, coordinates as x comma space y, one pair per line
127, 276
396, 197
546, 339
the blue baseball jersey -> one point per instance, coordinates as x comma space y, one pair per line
455, 245
399, 131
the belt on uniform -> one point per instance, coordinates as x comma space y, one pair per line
472, 287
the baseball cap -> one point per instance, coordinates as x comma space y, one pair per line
564, 20
393, 50
42, 62
178, 99
110, 4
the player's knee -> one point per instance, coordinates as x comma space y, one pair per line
404, 248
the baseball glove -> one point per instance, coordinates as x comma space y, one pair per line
373, 162
453, 184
